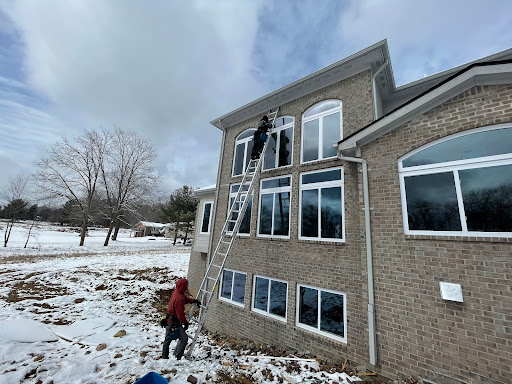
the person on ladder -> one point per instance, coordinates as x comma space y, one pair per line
259, 137
177, 319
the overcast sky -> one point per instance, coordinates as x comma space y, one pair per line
167, 68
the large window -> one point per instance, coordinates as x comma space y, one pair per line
269, 297
279, 149
206, 217
274, 212
321, 205
460, 185
322, 310
245, 225
322, 127
243, 148
233, 287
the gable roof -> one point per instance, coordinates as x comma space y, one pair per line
479, 73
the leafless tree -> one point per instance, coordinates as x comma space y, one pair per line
15, 194
71, 171
127, 174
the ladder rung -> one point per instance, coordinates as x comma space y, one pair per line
215, 265
225, 242
211, 278
222, 254
231, 221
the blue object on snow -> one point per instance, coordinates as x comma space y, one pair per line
151, 378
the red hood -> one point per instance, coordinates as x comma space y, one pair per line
181, 285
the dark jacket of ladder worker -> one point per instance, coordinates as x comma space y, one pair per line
263, 127
176, 310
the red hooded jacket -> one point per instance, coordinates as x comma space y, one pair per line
176, 305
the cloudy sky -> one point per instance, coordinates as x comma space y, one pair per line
167, 68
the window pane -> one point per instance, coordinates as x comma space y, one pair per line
480, 144
250, 144
331, 316
206, 217
309, 223
261, 294
281, 213
308, 307
285, 147
246, 134
270, 153
310, 140
277, 298
275, 183
266, 214
227, 279
331, 213
331, 134
322, 107
487, 196
432, 202
245, 226
239, 159
283, 121
239, 288
319, 177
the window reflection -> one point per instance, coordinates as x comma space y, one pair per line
206, 217
281, 213
277, 304
227, 281
261, 294
322, 107
309, 223
432, 202
331, 213
487, 197
266, 214
239, 288
310, 140
332, 314
308, 306
331, 134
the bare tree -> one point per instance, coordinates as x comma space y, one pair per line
14, 193
71, 171
127, 172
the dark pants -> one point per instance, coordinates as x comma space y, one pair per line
257, 146
180, 347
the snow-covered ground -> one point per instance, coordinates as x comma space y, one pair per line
90, 314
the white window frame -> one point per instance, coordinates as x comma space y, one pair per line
267, 312
317, 330
209, 219
318, 186
277, 131
233, 195
268, 191
320, 116
246, 155
451, 167
231, 301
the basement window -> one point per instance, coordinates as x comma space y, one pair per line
233, 287
460, 185
322, 127
322, 311
269, 297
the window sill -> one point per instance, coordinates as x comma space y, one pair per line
231, 302
460, 238
323, 242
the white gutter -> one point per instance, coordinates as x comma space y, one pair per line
374, 77
372, 334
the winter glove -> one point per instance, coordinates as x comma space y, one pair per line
163, 321
185, 326
197, 302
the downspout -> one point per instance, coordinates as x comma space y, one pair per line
372, 335
221, 158
374, 82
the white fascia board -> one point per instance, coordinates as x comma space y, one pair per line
482, 75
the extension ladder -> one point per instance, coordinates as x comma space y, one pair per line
231, 226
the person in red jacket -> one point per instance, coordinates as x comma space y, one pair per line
177, 318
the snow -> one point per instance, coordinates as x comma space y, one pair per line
60, 304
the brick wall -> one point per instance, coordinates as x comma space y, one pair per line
321, 264
419, 333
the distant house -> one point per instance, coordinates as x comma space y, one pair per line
147, 228
201, 242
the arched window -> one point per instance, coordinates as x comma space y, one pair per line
322, 127
280, 146
460, 185
243, 148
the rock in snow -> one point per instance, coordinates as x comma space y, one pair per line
25, 331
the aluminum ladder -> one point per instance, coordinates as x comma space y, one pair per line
228, 235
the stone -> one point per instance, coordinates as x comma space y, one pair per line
192, 379
120, 333
101, 347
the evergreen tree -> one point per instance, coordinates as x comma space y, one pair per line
180, 210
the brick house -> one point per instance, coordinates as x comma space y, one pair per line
381, 226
